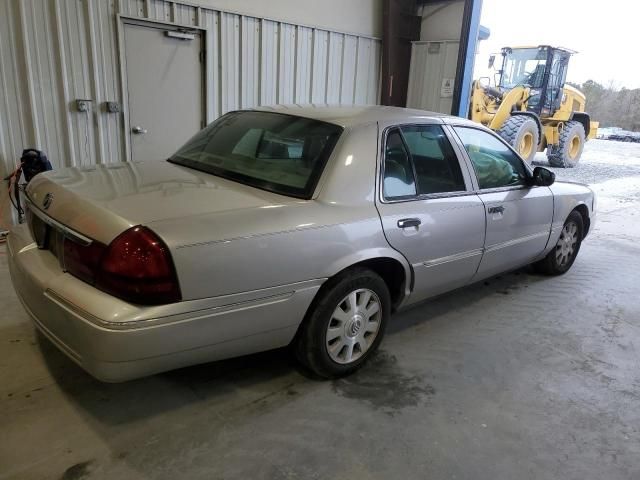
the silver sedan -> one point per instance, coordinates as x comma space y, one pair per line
300, 226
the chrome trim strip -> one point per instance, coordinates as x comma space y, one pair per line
451, 258
429, 196
66, 231
516, 241
478, 251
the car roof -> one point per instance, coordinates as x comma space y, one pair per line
347, 116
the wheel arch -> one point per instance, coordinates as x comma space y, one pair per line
585, 119
394, 275
583, 210
392, 267
394, 270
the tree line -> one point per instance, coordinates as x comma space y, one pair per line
610, 106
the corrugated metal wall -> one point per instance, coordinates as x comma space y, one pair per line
53, 52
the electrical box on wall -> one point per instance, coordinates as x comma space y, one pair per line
112, 107
82, 105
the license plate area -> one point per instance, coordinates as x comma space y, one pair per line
47, 237
39, 230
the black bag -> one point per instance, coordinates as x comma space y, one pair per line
33, 162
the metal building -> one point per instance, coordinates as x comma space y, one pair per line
75, 81
98, 81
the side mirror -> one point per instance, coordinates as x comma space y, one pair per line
543, 177
492, 60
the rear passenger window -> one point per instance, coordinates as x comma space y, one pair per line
398, 172
495, 164
436, 164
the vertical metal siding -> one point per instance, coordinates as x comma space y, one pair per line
250, 62
109, 89
53, 53
319, 66
230, 61
159, 10
268, 86
14, 130
348, 77
304, 64
334, 68
287, 64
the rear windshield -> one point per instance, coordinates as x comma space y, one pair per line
276, 152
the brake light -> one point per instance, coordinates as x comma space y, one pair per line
82, 261
136, 267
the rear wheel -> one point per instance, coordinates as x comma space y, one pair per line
569, 149
560, 259
521, 132
345, 324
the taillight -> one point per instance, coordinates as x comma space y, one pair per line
136, 267
83, 261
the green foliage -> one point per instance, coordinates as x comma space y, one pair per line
610, 106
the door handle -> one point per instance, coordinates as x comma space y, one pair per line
498, 209
409, 222
139, 130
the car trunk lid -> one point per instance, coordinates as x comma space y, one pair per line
102, 201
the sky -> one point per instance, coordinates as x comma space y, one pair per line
606, 35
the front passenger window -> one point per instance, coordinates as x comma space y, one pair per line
495, 164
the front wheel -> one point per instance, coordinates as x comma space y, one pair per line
521, 132
567, 153
560, 259
345, 324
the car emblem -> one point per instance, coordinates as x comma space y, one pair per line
48, 200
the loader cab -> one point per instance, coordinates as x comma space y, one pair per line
543, 69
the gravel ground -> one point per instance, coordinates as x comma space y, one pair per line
601, 160
612, 169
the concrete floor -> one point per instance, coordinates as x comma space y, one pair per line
522, 377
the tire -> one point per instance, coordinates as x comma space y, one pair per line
317, 344
521, 132
569, 149
564, 253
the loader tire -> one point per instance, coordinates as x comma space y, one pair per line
569, 149
521, 132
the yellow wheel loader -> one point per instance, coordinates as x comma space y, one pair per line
532, 108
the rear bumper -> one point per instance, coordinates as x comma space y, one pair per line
116, 341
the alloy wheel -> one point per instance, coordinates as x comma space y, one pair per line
354, 326
566, 246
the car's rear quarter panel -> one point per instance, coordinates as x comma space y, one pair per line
252, 249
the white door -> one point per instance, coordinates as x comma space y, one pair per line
432, 75
165, 90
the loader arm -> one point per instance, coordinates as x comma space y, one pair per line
514, 99
492, 108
